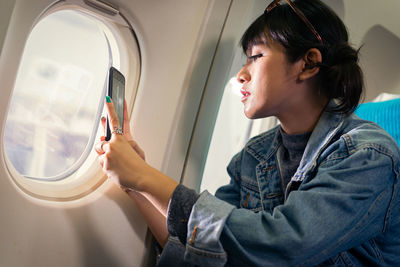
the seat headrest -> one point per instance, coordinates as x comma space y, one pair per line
386, 114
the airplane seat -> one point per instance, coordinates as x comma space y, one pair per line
385, 113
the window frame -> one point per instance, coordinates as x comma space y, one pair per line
87, 177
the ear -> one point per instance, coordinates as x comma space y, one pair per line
310, 64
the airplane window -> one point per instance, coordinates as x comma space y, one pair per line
58, 96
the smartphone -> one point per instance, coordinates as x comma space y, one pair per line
116, 91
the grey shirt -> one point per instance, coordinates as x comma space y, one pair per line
293, 146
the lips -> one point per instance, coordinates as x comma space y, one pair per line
245, 94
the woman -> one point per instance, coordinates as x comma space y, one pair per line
321, 188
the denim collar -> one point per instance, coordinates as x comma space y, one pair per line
326, 129
328, 125
261, 148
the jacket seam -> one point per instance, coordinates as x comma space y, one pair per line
389, 210
352, 148
348, 234
252, 185
259, 188
365, 148
349, 144
201, 252
376, 250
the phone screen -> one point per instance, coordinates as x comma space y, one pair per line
116, 90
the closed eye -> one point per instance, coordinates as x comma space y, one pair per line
254, 57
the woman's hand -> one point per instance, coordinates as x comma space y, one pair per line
127, 132
123, 162
121, 158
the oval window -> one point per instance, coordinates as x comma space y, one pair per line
58, 96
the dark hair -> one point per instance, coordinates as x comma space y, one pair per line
340, 76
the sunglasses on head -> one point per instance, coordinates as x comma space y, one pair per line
300, 14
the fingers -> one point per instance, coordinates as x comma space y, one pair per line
126, 117
99, 147
103, 124
112, 114
127, 130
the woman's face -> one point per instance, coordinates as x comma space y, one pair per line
268, 82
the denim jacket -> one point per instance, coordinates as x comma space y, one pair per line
341, 207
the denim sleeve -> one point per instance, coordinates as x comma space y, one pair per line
341, 206
179, 209
231, 192
173, 254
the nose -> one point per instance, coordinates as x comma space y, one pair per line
243, 75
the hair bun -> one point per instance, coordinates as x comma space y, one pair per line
341, 53
343, 76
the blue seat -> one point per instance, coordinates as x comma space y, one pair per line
386, 114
